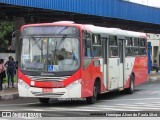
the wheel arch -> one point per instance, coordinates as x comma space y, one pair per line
133, 76
98, 83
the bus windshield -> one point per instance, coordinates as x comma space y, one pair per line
50, 54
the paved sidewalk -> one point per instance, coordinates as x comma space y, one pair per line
9, 93
154, 76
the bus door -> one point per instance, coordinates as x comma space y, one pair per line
121, 45
113, 63
105, 60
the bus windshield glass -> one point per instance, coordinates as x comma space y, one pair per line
50, 54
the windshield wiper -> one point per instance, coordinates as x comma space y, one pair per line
64, 36
36, 42
55, 51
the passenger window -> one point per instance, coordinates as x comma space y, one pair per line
113, 46
129, 41
142, 46
113, 41
113, 51
136, 51
135, 42
97, 46
129, 46
129, 51
143, 51
87, 44
142, 42
87, 49
136, 46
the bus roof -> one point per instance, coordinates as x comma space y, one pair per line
114, 31
92, 28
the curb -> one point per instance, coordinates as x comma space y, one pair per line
9, 97
151, 79
154, 72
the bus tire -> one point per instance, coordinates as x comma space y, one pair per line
130, 90
93, 99
44, 100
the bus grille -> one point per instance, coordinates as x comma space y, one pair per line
43, 78
40, 94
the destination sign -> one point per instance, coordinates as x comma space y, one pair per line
49, 30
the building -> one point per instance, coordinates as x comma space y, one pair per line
155, 49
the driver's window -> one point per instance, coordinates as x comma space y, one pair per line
87, 49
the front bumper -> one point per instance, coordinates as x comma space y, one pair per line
67, 92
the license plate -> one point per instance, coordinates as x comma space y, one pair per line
47, 90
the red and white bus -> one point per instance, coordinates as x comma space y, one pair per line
68, 60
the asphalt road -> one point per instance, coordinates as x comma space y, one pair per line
145, 98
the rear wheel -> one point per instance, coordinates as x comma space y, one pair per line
44, 100
93, 99
130, 90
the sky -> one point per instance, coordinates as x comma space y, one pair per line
153, 3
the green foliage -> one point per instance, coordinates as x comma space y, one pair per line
5, 80
153, 69
6, 29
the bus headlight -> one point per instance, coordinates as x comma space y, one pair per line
73, 84
24, 84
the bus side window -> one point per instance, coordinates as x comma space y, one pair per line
97, 46
136, 49
142, 46
87, 56
113, 46
87, 44
129, 46
87, 49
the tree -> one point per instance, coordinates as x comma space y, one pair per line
6, 29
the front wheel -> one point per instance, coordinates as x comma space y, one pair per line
44, 100
130, 90
93, 99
